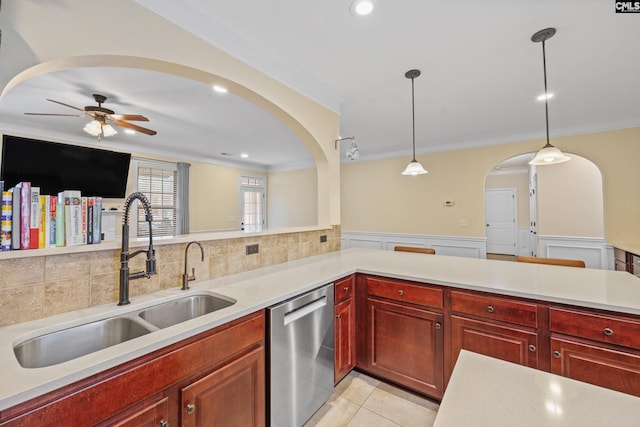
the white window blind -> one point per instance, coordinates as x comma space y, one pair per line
159, 182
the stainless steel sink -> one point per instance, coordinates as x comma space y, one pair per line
67, 344
183, 309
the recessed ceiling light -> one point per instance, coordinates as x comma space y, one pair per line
220, 89
362, 7
544, 96
244, 155
130, 131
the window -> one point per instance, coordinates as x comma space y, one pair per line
159, 182
252, 203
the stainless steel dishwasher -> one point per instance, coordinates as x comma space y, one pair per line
300, 357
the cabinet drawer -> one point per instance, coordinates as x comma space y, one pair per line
505, 310
404, 292
343, 289
609, 329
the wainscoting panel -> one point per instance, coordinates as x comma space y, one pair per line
593, 251
468, 247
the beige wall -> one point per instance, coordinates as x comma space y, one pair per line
519, 181
570, 199
375, 197
292, 198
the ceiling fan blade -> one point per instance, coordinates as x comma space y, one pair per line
135, 127
130, 117
48, 114
66, 105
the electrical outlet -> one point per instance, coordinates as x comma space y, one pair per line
252, 249
323, 238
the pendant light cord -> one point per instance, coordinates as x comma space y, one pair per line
546, 94
413, 119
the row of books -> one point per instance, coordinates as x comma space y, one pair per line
31, 220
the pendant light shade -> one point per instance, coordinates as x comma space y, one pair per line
414, 167
548, 155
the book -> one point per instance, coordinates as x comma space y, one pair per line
60, 220
73, 217
25, 213
6, 216
34, 215
83, 202
89, 220
53, 209
15, 223
97, 220
43, 224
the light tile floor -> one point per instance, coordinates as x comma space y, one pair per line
362, 401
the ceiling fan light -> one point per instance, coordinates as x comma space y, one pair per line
414, 168
108, 130
93, 128
549, 155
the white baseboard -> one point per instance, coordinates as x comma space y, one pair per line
469, 247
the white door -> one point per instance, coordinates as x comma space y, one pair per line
500, 211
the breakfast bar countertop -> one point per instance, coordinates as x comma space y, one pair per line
257, 289
488, 392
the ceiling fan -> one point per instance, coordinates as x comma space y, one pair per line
102, 118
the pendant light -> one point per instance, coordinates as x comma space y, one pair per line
414, 167
548, 155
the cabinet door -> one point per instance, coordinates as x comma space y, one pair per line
405, 345
233, 395
152, 415
345, 344
596, 364
500, 341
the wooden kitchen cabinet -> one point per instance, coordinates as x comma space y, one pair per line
133, 394
344, 328
597, 348
228, 396
497, 327
153, 414
403, 338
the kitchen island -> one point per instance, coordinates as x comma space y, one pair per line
253, 291
487, 392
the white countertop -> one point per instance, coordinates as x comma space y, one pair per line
257, 289
488, 392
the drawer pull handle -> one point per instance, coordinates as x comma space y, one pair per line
556, 354
346, 289
338, 316
191, 408
608, 331
400, 292
438, 325
532, 347
490, 309
164, 423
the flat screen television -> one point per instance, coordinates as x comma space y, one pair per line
55, 167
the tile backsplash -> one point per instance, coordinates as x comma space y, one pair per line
39, 286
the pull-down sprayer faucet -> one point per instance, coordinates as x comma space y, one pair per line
125, 256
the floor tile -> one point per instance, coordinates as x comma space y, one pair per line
358, 388
367, 418
335, 413
403, 412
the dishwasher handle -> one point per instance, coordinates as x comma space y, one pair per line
302, 311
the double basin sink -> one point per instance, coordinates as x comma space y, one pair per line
67, 344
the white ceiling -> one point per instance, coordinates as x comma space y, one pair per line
480, 76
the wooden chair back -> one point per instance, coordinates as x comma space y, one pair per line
552, 261
429, 251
